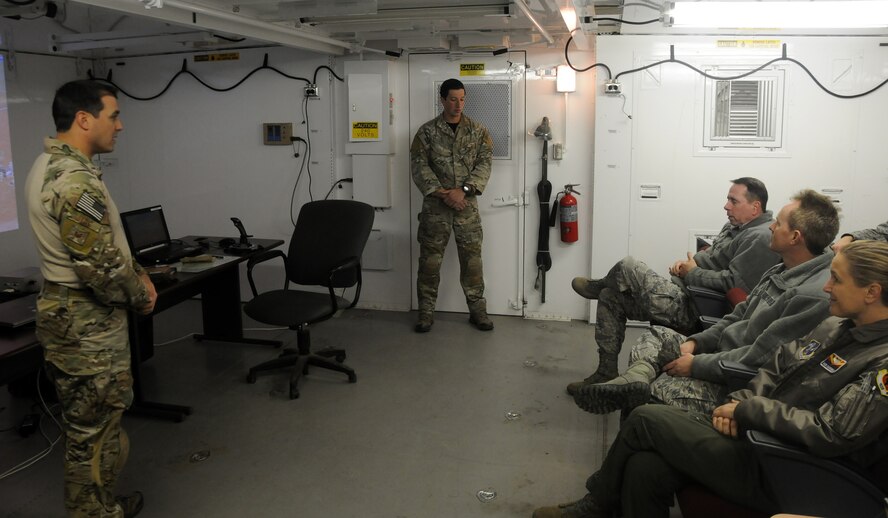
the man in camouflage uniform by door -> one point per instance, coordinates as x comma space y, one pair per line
450, 161
90, 280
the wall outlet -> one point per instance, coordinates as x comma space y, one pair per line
613, 88
312, 92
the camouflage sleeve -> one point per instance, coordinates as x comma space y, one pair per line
879, 233
480, 173
423, 176
80, 208
852, 419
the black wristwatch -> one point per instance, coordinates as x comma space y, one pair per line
468, 189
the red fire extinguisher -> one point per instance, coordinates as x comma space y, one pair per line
567, 207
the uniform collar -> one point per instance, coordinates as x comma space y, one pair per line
55, 146
869, 332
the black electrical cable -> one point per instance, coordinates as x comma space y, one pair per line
184, 70
328, 68
298, 176
308, 143
587, 19
337, 182
234, 40
753, 71
20, 2
566, 58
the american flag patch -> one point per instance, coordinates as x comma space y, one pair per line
91, 207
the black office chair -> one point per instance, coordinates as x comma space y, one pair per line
325, 250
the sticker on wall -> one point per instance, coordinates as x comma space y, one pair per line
219, 56
471, 69
365, 130
747, 44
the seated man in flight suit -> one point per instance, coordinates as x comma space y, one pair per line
788, 301
826, 392
631, 290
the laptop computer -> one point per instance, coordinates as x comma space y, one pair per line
149, 238
18, 312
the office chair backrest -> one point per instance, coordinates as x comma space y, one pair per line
328, 233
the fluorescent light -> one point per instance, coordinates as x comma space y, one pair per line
566, 79
779, 14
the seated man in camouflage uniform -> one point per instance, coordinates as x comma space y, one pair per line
880, 233
737, 258
90, 280
825, 392
789, 301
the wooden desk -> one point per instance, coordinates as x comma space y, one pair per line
219, 288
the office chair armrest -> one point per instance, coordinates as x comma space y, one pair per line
350, 263
804, 483
707, 322
736, 374
261, 257
707, 302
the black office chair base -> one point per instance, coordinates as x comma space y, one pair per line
300, 364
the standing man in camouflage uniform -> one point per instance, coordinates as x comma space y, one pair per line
450, 161
90, 280
788, 302
631, 290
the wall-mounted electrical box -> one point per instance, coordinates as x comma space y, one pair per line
370, 108
277, 133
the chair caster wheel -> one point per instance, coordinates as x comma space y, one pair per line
340, 358
251, 378
352, 378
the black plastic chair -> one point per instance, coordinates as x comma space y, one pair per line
325, 250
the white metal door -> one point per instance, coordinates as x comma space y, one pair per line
495, 95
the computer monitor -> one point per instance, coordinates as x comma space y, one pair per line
145, 228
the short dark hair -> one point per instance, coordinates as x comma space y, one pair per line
755, 190
76, 96
817, 218
450, 84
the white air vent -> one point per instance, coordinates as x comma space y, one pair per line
744, 113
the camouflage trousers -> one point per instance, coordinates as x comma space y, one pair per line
660, 346
87, 358
435, 224
634, 291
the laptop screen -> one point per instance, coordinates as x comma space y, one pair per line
145, 228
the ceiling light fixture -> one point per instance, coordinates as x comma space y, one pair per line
842, 14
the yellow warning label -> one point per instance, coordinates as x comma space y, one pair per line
221, 56
365, 130
748, 44
471, 69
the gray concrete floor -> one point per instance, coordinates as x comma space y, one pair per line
419, 435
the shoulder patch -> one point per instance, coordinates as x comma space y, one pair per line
882, 381
91, 207
809, 350
833, 363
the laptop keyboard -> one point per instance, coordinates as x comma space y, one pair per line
167, 255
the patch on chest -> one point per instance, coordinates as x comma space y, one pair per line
809, 350
882, 381
833, 363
